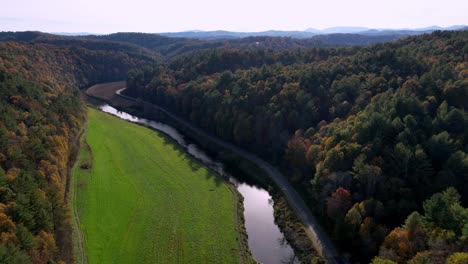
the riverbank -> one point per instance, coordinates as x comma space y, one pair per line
164, 207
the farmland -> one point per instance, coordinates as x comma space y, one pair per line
141, 199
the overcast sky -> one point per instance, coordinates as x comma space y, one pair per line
106, 16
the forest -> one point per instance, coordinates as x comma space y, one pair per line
167, 48
374, 137
171, 47
42, 117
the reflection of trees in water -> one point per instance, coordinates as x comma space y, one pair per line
283, 242
270, 201
290, 260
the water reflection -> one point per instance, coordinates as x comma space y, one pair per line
264, 236
266, 241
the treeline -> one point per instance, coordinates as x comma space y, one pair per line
41, 118
370, 134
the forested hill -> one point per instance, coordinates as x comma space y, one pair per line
42, 115
154, 45
171, 46
72, 41
76, 65
372, 135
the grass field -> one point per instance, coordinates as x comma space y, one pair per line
143, 200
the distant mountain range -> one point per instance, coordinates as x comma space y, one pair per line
222, 34
72, 34
365, 30
169, 45
310, 32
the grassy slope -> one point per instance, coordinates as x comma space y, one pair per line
145, 200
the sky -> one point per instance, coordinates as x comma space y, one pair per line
107, 16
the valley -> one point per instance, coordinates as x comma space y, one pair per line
145, 148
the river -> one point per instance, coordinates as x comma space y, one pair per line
266, 241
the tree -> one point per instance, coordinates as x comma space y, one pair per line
454, 172
353, 220
428, 256
416, 230
397, 244
464, 237
458, 258
12, 255
379, 260
25, 238
339, 203
402, 156
371, 236
444, 210
353, 217
414, 225
368, 176
296, 153
440, 147
313, 154
46, 248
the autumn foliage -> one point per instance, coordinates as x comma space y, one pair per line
368, 134
41, 118
339, 203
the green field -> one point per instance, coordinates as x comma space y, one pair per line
143, 200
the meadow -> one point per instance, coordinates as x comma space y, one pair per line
141, 199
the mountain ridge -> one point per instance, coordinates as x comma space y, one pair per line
309, 32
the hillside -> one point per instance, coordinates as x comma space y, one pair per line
369, 135
173, 46
42, 118
167, 47
76, 41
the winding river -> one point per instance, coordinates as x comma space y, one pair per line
266, 241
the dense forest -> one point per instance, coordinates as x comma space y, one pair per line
72, 41
171, 47
374, 137
163, 47
42, 116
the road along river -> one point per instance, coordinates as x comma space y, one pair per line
318, 236
266, 241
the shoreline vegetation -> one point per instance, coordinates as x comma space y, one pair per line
236, 199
